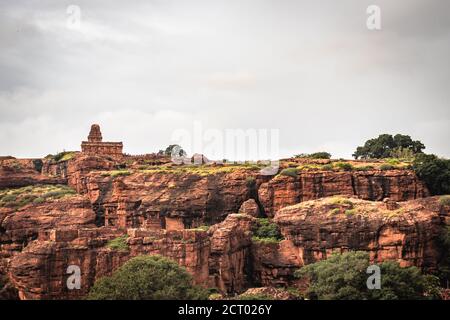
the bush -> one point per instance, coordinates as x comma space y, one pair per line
327, 167
315, 155
343, 166
445, 200
250, 182
119, 173
148, 278
364, 168
385, 146
289, 172
386, 166
259, 296
38, 200
267, 230
63, 156
434, 171
343, 277
119, 243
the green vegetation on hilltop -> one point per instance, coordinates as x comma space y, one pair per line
386, 146
148, 278
200, 170
62, 156
20, 197
316, 155
289, 172
434, 171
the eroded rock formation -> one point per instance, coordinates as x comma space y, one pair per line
165, 209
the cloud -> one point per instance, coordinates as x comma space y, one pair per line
144, 69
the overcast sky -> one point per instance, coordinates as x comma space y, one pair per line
143, 69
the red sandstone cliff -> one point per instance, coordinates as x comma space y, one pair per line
153, 205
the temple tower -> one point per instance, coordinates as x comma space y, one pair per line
95, 135
96, 147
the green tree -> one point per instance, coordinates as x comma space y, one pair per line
175, 150
343, 277
315, 155
385, 146
434, 171
147, 278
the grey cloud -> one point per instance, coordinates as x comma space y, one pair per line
146, 68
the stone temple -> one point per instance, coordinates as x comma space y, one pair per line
95, 145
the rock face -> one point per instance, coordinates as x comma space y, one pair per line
409, 234
375, 185
40, 271
164, 208
226, 257
15, 173
156, 199
251, 208
229, 263
19, 227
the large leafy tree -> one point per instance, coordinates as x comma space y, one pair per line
434, 171
386, 145
175, 150
344, 277
147, 278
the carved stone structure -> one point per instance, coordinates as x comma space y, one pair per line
95, 145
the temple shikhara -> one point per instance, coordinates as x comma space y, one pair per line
96, 146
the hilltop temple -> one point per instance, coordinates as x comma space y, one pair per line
95, 145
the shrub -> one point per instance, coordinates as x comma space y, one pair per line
38, 200
386, 166
148, 278
119, 173
385, 146
63, 156
250, 182
434, 171
343, 277
258, 296
393, 161
289, 172
9, 198
119, 243
343, 166
364, 168
327, 167
315, 155
445, 200
336, 200
350, 212
267, 230
335, 211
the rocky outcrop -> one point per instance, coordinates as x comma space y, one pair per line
20, 226
40, 271
227, 257
16, 173
151, 199
229, 263
409, 234
375, 185
251, 208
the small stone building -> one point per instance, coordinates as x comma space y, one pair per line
95, 145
